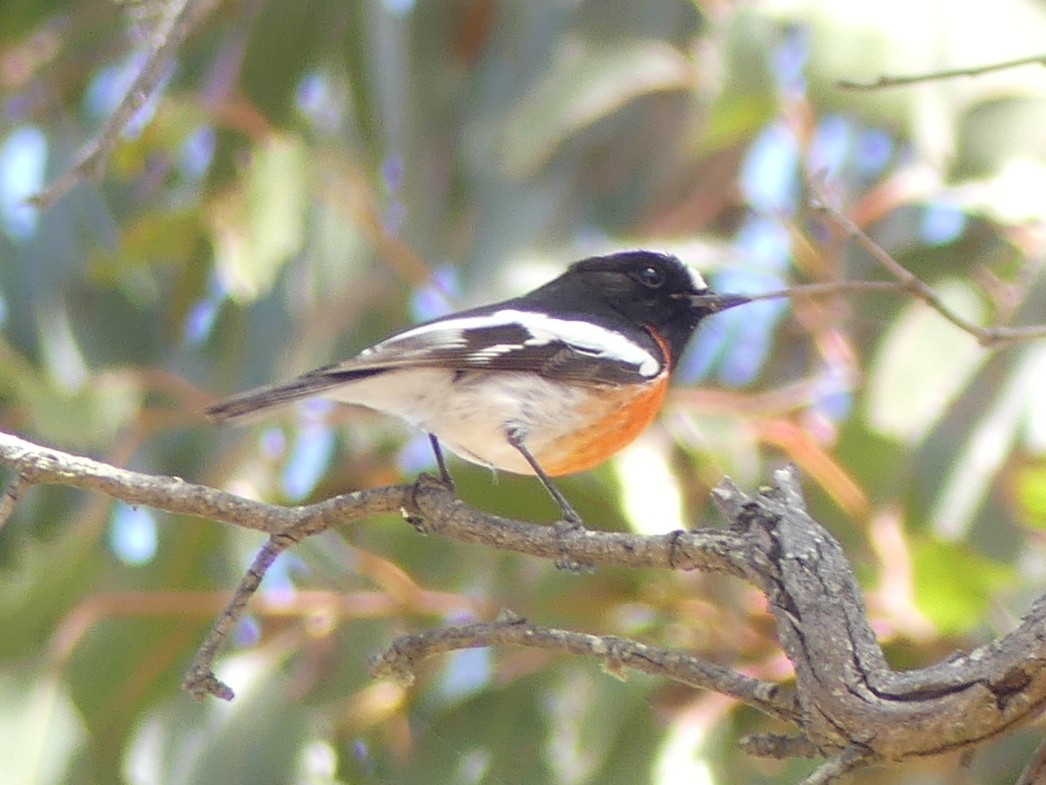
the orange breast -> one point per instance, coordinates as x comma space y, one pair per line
611, 419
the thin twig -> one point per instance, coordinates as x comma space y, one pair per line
992, 336
400, 659
178, 20
200, 680
834, 769
899, 81
12, 494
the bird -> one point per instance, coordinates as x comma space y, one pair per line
550, 383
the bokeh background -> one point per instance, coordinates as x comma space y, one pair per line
316, 174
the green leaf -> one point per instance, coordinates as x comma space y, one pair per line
583, 85
82, 418
987, 441
921, 364
954, 584
1018, 120
260, 227
41, 729
32, 602
463, 745
1029, 485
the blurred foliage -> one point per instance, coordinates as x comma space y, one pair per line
317, 174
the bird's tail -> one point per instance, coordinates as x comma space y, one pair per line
261, 399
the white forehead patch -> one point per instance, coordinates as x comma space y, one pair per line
695, 278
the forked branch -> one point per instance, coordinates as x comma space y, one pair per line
847, 703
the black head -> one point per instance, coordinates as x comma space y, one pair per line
653, 290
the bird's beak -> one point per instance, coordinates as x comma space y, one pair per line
718, 302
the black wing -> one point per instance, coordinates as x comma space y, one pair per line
503, 340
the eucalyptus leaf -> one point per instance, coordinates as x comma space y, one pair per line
584, 84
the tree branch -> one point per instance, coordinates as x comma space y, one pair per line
428, 504
837, 767
179, 19
932, 76
42, 465
848, 704
853, 707
400, 660
848, 694
11, 496
200, 680
991, 336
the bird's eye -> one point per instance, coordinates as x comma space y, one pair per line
652, 277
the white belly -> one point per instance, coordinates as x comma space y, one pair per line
471, 413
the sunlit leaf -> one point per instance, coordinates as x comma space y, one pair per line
975, 464
1029, 484
954, 585
1011, 118
157, 238
83, 417
42, 732
242, 743
258, 228
921, 363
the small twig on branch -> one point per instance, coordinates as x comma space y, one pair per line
778, 746
401, 658
899, 81
432, 508
1035, 772
836, 768
11, 496
991, 336
179, 18
200, 680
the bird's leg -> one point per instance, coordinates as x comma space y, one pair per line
441, 462
515, 438
412, 513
